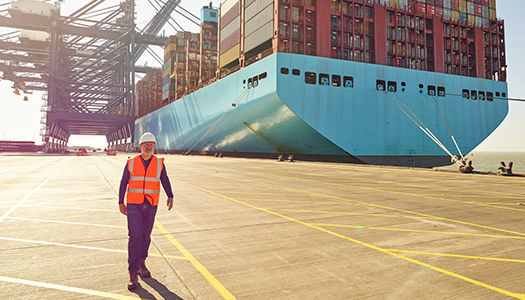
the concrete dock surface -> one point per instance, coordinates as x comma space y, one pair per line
262, 229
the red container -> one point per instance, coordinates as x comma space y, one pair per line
439, 12
455, 5
431, 10
485, 2
421, 8
478, 10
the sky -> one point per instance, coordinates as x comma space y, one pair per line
20, 120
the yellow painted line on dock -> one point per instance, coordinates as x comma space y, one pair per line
358, 202
458, 276
209, 277
409, 186
381, 206
437, 188
67, 288
297, 201
187, 255
81, 247
258, 193
349, 213
457, 255
362, 227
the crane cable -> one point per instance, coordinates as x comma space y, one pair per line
421, 125
234, 104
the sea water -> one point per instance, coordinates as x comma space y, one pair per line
491, 161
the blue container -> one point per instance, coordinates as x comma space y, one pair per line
166, 80
209, 15
462, 18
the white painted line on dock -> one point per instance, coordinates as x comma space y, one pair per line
66, 288
69, 208
65, 222
82, 247
31, 193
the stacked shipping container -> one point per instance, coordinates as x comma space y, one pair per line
209, 44
148, 92
181, 64
449, 36
170, 56
190, 59
230, 33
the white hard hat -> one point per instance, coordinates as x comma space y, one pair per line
147, 137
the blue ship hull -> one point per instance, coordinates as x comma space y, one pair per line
344, 118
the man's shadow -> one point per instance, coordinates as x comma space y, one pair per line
157, 286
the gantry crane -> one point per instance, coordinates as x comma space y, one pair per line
84, 63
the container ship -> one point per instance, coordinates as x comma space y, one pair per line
385, 82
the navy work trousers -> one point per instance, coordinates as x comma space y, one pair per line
141, 218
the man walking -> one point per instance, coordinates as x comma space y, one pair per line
140, 183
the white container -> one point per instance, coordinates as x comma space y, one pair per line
471, 8
33, 7
485, 11
34, 35
447, 14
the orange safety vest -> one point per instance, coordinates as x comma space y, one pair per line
144, 183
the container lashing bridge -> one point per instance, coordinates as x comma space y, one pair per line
85, 64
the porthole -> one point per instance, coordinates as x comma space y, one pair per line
441, 91
348, 82
310, 77
481, 95
380, 85
392, 86
490, 96
473, 95
431, 90
324, 79
336, 80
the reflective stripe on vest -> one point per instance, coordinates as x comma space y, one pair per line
145, 179
143, 191
144, 183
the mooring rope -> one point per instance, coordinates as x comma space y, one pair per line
421, 125
451, 135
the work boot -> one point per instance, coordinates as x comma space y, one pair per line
133, 282
143, 271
